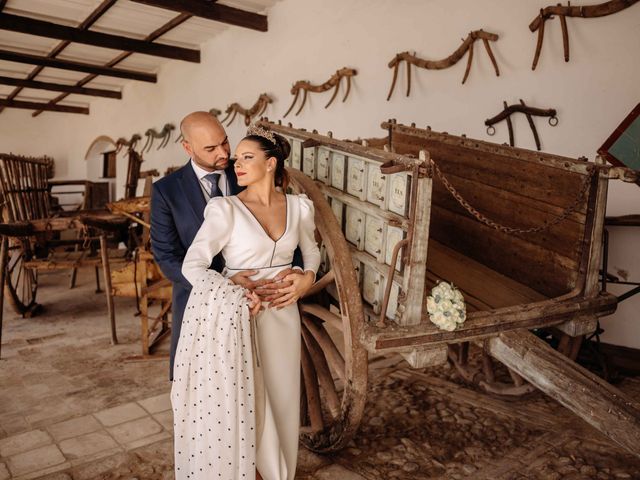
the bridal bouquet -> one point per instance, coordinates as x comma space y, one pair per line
446, 306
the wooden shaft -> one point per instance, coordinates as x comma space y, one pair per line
104, 254
600, 404
536, 56
469, 60
487, 47
565, 37
396, 65
3, 271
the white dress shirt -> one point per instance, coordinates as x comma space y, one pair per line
205, 184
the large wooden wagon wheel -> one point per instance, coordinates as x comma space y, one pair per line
21, 283
334, 363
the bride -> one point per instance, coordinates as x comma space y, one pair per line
236, 386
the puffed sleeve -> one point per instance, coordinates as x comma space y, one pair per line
213, 235
307, 240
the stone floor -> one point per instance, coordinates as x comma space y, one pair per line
74, 407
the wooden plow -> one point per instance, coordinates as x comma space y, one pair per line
519, 232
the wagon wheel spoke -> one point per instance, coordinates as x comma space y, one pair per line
321, 283
304, 424
332, 354
314, 407
325, 378
16, 256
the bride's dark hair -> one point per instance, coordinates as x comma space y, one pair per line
280, 149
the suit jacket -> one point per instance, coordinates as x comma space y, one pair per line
177, 208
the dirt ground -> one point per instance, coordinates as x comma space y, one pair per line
418, 424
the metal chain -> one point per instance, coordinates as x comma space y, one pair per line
510, 230
86, 239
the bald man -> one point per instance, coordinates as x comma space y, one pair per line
178, 201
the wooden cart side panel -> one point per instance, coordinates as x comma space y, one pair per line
537, 181
23, 183
548, 273
513, 192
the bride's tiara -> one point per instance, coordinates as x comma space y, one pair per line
261, 132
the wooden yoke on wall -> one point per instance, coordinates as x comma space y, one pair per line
586, 11
333, 82
249, 114
467, 44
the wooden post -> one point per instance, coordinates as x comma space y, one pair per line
597, 402
143, 284
410, 307
106, 270
3, 269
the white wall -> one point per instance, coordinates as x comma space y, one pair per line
309, 40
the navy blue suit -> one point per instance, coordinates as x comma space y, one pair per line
177, 208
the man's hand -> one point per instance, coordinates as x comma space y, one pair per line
288, 295
242, 279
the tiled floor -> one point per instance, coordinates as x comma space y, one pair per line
73, 407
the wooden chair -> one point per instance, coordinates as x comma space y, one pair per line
142, 279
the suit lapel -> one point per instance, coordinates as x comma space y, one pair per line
192, 190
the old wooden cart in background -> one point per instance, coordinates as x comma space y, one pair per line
33, 239
519, 232
40, 232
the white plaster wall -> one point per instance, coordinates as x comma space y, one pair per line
310, 39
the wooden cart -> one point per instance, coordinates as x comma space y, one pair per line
519, 232
33, 240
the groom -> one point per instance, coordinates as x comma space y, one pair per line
177, 207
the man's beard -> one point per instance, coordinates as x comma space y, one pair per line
219, 164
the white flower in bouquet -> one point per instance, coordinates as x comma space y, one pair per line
446, 306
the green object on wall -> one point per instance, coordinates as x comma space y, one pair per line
622, 148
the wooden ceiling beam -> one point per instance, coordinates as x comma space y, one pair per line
90, 20
31, 26
174, 22
58, 87
42, 106
213, 11
76, 66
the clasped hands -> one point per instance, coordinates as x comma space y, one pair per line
284, 289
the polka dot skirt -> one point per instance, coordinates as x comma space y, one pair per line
213, 392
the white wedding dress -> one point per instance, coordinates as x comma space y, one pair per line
214, 429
